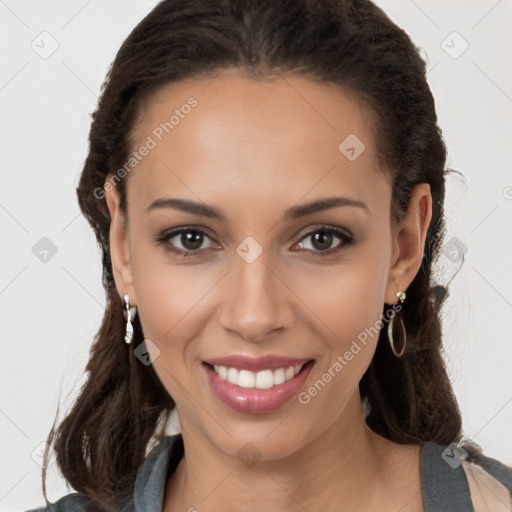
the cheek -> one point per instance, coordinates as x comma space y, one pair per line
347, 298
170, 307
348, 301
352, 310
169, 298
166, 294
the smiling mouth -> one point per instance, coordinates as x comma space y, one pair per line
256, 385
263, 379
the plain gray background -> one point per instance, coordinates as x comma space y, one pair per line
50, 310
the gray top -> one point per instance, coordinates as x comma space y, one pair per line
445, 488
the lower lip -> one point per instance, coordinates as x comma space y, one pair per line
253, 400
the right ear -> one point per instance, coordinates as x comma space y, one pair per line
119, 245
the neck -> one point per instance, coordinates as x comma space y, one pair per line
347, 462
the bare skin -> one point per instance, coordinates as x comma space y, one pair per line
254, 149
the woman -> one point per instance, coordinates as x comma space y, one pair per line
266, 181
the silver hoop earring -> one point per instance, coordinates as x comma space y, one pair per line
129, 314
391, 337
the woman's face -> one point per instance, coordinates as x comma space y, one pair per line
263, 278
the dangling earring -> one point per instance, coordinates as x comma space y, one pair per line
400, 352
129, 314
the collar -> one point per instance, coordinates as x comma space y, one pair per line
444, 487
152, 477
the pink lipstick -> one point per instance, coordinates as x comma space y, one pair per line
256, 385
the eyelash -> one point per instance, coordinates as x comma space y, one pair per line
346, 239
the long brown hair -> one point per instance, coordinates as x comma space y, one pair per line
103, 440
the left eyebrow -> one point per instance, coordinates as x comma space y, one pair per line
323, 204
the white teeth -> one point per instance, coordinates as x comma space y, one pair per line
232, 375
264, 379
279, 376
246, 379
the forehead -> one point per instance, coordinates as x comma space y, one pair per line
269, 138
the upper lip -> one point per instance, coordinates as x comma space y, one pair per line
255, 364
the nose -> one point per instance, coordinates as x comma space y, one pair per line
257, 300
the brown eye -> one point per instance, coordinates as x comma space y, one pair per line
190, 240
323, 238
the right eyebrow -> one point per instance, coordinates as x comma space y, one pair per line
188, 207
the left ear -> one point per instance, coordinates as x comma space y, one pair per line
408, 242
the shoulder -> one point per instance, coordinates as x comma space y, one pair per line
149, 485
73, 502
76, 502
498, 469
451, 475
490, 483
